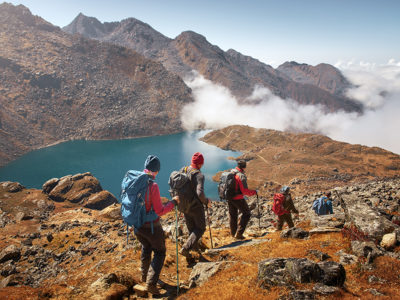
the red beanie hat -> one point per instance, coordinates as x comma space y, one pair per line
197, 159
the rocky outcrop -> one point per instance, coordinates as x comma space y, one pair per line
83, 189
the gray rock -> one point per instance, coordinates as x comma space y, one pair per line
365, 249
104, 282
294, 232
203, 271
283, 271
347, 259
375, 292
325, 289
10, 252
303, 270
333, 273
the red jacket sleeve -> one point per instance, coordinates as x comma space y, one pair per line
243, 190
155, 201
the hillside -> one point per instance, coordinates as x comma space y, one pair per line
239, 73
56, 87
67, 241
309, 162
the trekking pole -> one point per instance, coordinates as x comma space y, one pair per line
176, 243
209, 227
259, 216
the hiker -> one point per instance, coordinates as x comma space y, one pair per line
286, 209
238, 202
323, 206
151, 234
195, 218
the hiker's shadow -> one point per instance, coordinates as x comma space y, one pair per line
233, 244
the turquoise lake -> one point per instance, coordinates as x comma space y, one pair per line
108, 161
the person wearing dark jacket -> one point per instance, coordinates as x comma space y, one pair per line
238, 203
288, 206
195, 219
151, 234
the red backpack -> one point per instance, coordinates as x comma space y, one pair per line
277, 207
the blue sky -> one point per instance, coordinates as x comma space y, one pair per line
306, 31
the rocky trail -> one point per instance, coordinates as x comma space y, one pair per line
63, 250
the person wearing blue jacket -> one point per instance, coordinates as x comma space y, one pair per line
323, 206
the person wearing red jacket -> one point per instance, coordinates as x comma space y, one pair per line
151, 234
238, 203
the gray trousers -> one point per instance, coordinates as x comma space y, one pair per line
234, 207
151, 242
196, 225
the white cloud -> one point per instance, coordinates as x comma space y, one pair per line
377, 87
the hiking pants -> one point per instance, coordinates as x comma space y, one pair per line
196, 225
285, 218
235, 206
151, 242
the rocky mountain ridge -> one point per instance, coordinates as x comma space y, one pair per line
322, 84
56, 87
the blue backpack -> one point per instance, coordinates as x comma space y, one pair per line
319, 206
133, 192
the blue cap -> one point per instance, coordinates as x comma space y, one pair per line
152, 163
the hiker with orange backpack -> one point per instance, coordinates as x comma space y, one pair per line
149, 231
283, 206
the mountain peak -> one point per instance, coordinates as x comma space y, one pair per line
11, 14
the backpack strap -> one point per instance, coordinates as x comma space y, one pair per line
150, 182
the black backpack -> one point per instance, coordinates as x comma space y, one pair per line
181, 185
227, 185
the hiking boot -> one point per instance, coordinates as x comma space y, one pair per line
185, 252
239, 236
152, 289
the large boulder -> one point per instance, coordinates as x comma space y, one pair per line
285, 271
12, 187
203, 271
49, 185
332, 273
100, 200
10, 252
369, 220
303, 270
83, 189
